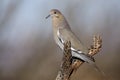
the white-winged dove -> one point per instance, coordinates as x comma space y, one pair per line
62, 33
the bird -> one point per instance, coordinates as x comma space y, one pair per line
62, 32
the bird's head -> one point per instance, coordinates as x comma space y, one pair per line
58, 19
55, 14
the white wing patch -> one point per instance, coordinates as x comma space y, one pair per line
77, 51
58, 34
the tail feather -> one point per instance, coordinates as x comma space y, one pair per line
89, 59
99, 70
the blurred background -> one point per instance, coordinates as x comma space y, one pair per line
27, 47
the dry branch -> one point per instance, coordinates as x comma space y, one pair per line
68, 65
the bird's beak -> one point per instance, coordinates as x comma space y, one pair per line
47, 16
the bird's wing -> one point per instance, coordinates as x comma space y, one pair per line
76, 46
85, 57
66, 34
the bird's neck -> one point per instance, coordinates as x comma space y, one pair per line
57, 24
60, 23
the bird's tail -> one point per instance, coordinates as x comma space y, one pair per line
99, 70
89, 59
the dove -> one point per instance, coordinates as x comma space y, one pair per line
62, 32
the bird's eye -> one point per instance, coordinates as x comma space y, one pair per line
54, 12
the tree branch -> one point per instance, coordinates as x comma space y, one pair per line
69, 66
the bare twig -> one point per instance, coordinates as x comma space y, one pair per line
69, 66
65, 69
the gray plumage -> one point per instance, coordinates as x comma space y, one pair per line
62, 33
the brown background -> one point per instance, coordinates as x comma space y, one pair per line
27, 48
